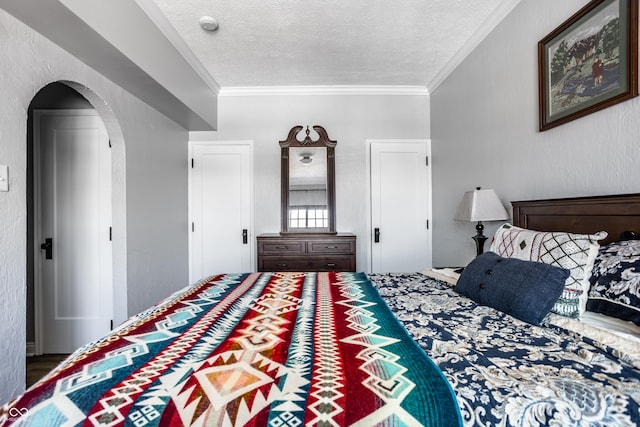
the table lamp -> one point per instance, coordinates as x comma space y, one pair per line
480, 205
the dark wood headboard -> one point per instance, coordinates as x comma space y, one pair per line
613, 214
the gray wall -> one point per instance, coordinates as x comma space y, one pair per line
149, 188
350, 119
484, 131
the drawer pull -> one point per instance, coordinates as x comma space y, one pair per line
331, 264
282, 247
331, 247
282, 265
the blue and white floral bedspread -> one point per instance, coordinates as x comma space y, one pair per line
507, 372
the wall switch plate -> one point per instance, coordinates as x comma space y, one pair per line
4, 178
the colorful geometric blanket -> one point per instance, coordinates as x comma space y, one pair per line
261, 349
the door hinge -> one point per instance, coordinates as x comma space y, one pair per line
427, 224
193, 227
109, 143
192, 163
111, 325
427, 160
110, 234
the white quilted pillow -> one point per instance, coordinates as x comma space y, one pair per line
575, 252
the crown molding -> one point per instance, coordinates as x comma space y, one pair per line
323, 90
480, 34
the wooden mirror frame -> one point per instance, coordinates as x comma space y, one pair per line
322, 141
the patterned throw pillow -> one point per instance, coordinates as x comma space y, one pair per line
615, 281
575, 252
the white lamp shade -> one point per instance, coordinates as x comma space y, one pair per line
481, 205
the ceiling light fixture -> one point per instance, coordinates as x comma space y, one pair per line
208, 23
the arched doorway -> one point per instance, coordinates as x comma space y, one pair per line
68, 195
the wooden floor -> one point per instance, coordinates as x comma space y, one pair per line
39, 366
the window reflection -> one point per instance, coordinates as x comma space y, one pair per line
308, 217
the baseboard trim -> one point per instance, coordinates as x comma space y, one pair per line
31, 348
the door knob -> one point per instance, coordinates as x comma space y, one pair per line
376, 235
48, 248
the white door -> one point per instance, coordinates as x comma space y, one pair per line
400, 206
73, 218
221, 209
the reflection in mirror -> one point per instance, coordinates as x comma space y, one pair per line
308, 182
308, 188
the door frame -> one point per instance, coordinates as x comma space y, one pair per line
369, 237
37, 217
252, 225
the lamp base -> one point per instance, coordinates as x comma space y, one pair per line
479, 238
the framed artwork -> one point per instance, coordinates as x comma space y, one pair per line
588, 63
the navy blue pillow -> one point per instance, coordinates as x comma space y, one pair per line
524, 289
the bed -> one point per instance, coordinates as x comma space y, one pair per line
286, 349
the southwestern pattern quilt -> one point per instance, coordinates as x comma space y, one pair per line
260, 349
506, 372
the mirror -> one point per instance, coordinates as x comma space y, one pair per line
308, 182
308, 188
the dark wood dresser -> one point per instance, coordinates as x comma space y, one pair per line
307, 252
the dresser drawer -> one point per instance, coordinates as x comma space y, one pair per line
308, 263
330, 247
281, 247
306, 252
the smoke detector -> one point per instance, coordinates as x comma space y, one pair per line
208, 23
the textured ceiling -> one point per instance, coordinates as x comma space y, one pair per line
330, 42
